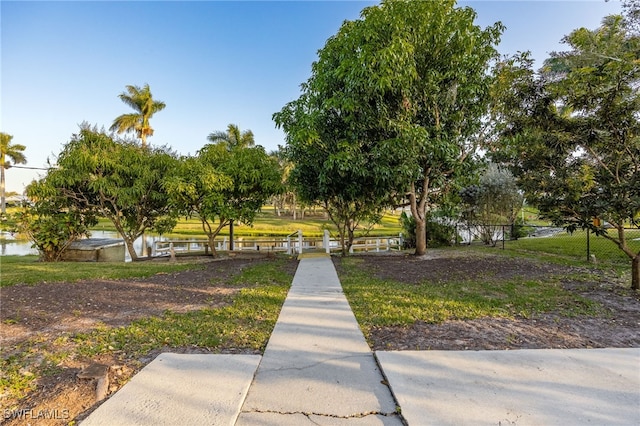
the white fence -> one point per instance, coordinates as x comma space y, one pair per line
291, 244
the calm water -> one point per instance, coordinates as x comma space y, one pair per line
22, 248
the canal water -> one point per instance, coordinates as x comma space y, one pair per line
12, 247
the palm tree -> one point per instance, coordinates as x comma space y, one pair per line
233, 138
142, 102
12, 152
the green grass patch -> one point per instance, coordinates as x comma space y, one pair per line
376, 302
574, 246
267, 223
29, 270
246, 323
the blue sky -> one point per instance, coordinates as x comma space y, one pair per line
211, 62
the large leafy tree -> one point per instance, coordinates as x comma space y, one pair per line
118, 180
223, 183
572, 132
142, 102
337, 161
9, 153
407, 84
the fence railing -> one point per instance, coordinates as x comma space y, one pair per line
293, 243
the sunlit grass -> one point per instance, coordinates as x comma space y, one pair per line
29, 270
244, 324
377, 302
268, 224
574, 246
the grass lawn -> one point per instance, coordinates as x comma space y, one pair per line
574, 246
268, 224
29, 270
244, 323
387, 302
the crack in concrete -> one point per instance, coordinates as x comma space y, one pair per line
319, 363
335, 416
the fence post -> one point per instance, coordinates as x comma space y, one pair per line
502, 237
326, 242
299, 241
588, 246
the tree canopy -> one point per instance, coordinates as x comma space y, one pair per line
572, 132
115, 179
394, 104
223, 183
233, 137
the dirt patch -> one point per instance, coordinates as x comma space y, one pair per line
49, 311
618, 326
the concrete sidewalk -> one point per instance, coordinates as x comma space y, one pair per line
523, 387
318, 369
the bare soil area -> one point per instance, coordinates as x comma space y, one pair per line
33, 314
618, 326
50, 311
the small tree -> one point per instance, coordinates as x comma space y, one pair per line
224, 182
117, 180
572, 134
52, 222
494, 202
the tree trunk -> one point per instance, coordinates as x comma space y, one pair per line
350, 238
635, 272
212, 245
421, 236
132, 252
2, 200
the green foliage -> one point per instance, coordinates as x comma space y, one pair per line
224, 182
233, 138
572, 134
115, 179
438, 234
141, 100
52, 222
392, 106
494, 202
52, 231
